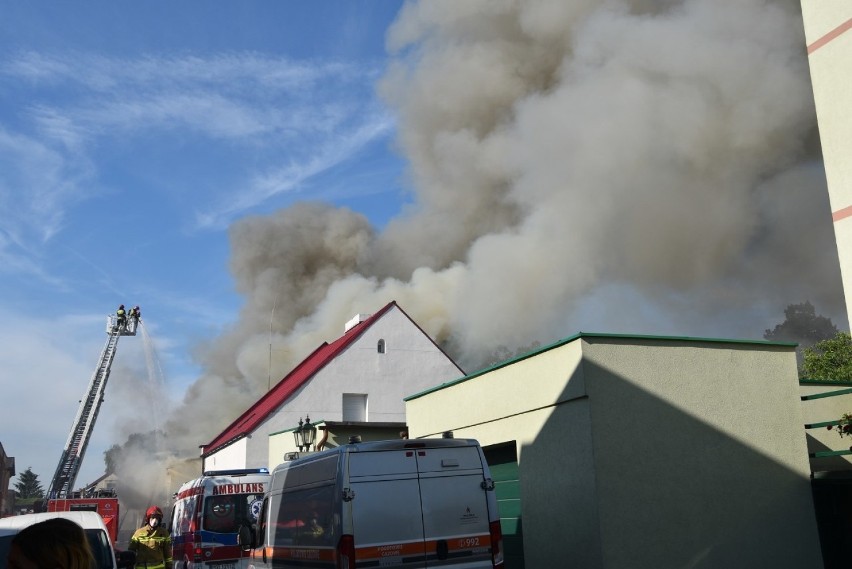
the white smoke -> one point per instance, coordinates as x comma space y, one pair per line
612, 166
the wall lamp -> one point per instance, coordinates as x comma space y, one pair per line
305, 434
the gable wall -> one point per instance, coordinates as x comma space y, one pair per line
411, 363
231, 457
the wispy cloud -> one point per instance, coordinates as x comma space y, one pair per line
37, 185
62, 113
291, 177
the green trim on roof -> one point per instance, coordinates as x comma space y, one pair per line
804, 381
823, 424
314, 423
824, 454
591, 335
827, 394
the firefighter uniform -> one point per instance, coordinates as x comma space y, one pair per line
152, 545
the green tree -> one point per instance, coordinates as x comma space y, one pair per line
28, 485
803, 326
829, 359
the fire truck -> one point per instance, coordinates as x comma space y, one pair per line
60, 494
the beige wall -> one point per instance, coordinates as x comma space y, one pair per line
830, 60
646, 452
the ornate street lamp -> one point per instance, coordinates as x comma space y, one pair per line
297, 434
309, 433
305, 434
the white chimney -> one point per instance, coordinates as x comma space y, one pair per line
357, 319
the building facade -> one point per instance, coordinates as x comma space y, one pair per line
361, 377
7, 471
828, 33
642, 452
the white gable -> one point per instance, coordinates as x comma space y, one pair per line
410, 363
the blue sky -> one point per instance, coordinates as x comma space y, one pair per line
131, 135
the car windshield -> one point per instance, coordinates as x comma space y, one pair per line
226, 513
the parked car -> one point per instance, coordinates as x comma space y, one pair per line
92, 524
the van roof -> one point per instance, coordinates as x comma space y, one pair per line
391, 444
396, 444
88, 520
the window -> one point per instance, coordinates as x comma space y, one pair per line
305, 518
101, 548
225, 513
354, 407
381, 346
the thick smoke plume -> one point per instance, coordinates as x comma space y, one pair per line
612, 166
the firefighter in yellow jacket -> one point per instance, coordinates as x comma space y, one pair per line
152, 543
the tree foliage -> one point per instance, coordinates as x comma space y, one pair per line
28, 485
802, 325
829, 359
503, 354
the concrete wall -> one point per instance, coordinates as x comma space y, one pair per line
701, 445
231, 457
646, 452
541, 403
829, 40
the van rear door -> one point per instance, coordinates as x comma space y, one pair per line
386, 510
420, 507
455, 507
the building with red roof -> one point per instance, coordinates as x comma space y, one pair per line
362, 376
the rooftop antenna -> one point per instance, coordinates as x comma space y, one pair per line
269, 368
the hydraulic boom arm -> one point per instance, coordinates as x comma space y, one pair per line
81, 431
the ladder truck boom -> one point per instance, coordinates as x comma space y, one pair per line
62, 484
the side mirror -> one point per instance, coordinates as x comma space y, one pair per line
245, 538
125, 559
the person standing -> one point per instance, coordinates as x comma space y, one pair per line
121, 317
152, 543
135, 315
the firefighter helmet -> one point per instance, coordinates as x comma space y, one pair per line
154, 512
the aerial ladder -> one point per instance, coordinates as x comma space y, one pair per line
60, 496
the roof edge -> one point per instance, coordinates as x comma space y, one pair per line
592, 335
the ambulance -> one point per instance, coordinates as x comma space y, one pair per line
400, 503
207, 516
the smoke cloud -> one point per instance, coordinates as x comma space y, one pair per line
612, 166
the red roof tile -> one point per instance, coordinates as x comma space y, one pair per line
300, 375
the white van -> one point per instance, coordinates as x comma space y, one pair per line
399, 503
92, 524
